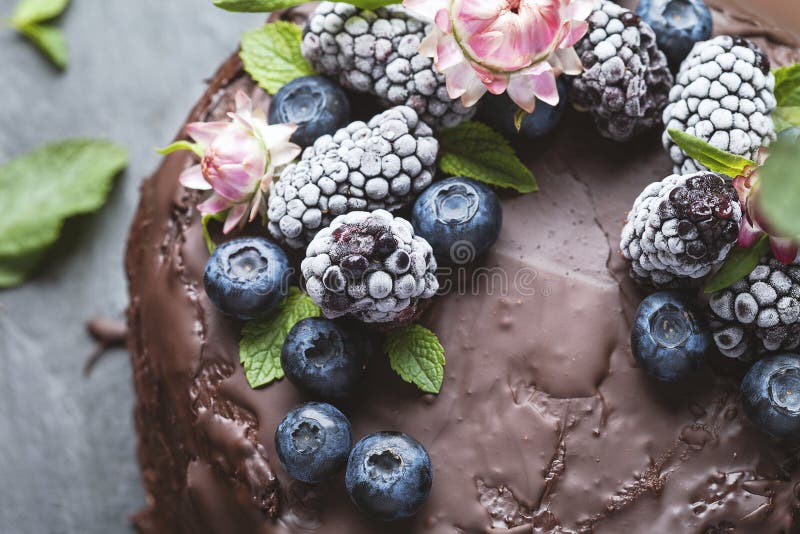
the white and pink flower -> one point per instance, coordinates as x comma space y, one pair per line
240, 159
519, 46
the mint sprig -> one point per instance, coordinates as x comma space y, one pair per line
787, 95
262, 339
272, 56
779, 196
739, 264
32, 19
265, 6
712, 157
475, 150
45, 187
416, 354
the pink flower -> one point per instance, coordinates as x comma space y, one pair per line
754, 226
239, 161
519, 46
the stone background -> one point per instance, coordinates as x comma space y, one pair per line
67, 461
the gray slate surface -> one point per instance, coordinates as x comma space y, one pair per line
67, 460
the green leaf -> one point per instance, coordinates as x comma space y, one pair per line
35, 11
16, 269
177, 146
210, 245
262, 339
519, 116
780, 188
786, 117
271, 55
46, 186
50, 40
476, 151
787, 86
416, 354
739, 264
264, 6
715, 159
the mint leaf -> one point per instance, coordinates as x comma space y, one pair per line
715, 159
476, 151
272, 57
780, 188
35, 11
50, 40
739, 264
262, 339
264, 6
50, 184
787, 86
416, 354
786, 117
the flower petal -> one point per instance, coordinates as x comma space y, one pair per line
284, 154
784, 250
235, 218
569, 60
448, 53
205, 132
748, 234
192, 178
213, 204
426, 9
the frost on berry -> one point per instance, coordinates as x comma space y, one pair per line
371, 266
681, 228
724, 95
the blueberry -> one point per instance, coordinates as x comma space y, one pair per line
678, 24
790, 135
389, 475
498, 111
460, 218
313, 442
315, 104
324, 359
247, 277
669, 339
771, 395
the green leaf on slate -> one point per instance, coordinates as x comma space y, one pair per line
416, 354
272, 57
16, 269
475, 150
262, 339
715, 159
50, 40
50, 184
787, 85
780, 188
739, 264
265, 6
36, 11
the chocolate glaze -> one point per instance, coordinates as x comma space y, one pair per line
544, 423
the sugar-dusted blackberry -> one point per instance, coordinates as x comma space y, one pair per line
626, 78
760, 313
680, 228
371, 266
377, 52
379, 165
723, 94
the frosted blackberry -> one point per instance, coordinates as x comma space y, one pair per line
760, 313
626, 79
680, 228
363, 167
371, 266
723, 94
376, 52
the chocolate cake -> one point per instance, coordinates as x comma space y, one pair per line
544, 422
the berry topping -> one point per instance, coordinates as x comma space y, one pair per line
389, 475
313, 442
325, 359
456, 213
771, 395
247, 278
669, 341
314, 104
678, 25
